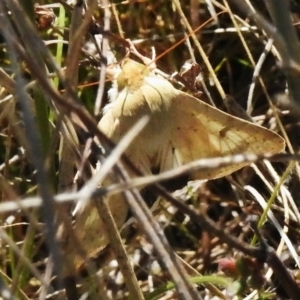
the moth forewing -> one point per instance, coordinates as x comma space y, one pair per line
202, 131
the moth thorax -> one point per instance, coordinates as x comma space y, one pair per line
113, 92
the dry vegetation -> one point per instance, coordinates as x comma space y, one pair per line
50, 61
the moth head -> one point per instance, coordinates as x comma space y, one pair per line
132, 75
129, 75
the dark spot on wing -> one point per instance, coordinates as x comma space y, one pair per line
223, 132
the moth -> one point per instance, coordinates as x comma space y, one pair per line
181, 129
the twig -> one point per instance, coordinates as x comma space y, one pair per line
119, 250
200, 49
290, 62
155, 234
280, 13
212, 163
105, 47
284, 276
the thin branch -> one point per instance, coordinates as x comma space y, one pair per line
210, 163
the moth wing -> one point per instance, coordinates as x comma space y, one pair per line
202, 131
120, 118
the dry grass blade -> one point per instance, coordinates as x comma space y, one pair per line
33, 136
